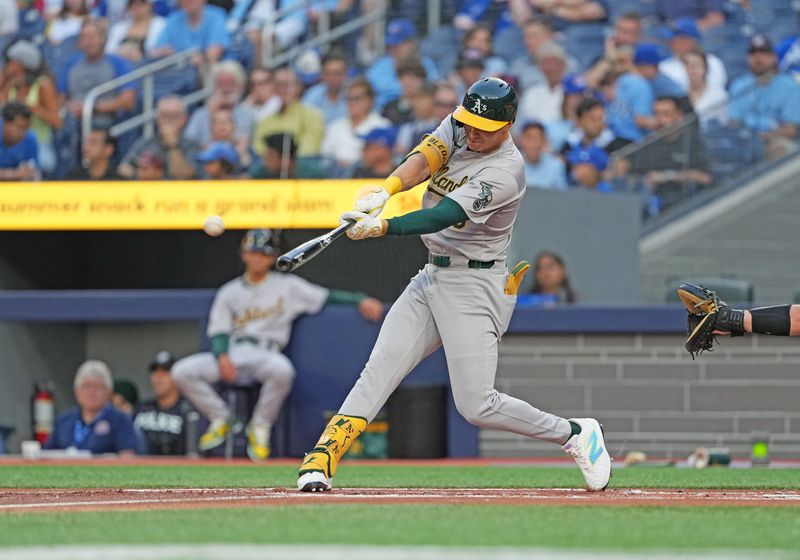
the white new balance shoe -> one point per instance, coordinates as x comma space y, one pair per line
314, 481
589, 450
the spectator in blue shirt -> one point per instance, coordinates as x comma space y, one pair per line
543, 170
90, 68
587, 166
329, 96
19, 159
194, 25
766, 101
591, 130
647, 58
401, 43
707, 13
94, 425
630, 112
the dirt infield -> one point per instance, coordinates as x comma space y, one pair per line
106, 499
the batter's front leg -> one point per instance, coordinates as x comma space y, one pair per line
407, 335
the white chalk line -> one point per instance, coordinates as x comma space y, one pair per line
375, 494
358, 552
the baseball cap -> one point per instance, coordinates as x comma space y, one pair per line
162, 360
25, 53
760, 43
685, 27
399, 30
219, 151
574, 83
308, 67
148, 158
383, 136
646, 54
470, 58
127, 389
591, 155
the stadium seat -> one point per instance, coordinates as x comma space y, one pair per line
509, 44
57, 56
176, 80
31, 25
731, 290
731, 148
585, 42
5, 431
442, 46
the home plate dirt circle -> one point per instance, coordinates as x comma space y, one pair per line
30, 500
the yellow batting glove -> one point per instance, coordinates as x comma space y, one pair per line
366, 226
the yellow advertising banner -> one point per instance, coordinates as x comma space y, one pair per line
132, 205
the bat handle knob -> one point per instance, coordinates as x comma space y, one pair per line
284, 264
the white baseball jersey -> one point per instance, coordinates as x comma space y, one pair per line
465, 310
264, 311
488, 187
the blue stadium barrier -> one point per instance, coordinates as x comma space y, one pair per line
329, 349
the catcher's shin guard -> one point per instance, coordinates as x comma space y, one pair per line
339, 435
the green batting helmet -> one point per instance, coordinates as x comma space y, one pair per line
489, 105
265, 241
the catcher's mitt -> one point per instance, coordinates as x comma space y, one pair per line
707, 316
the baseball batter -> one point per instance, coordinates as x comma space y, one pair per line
249, 324
463, 299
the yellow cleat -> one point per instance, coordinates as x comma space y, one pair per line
319, 466
215, 435
258, 442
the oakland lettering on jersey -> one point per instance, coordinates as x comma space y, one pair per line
441, 184
256, 313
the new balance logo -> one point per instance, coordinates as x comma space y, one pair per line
594, 450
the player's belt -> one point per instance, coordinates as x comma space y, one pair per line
254, 341
444, 261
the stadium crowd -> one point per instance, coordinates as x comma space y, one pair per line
614, 95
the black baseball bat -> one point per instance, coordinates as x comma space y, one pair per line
301, 254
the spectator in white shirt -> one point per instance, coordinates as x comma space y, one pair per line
342, 144
709, 101
686, 37
542, 102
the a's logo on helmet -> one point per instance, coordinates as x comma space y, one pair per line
478, 107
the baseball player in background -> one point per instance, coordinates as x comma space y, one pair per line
464, 297
249, 324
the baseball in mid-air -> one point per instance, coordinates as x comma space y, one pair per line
214, 226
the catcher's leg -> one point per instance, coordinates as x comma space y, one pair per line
408, 335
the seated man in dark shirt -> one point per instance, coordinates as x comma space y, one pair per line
97, 151
676, 163
94, 425
162, 421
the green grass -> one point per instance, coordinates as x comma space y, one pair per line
543, 526
268, 476
675, 528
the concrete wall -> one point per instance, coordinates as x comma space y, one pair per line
596, 234
651, 396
